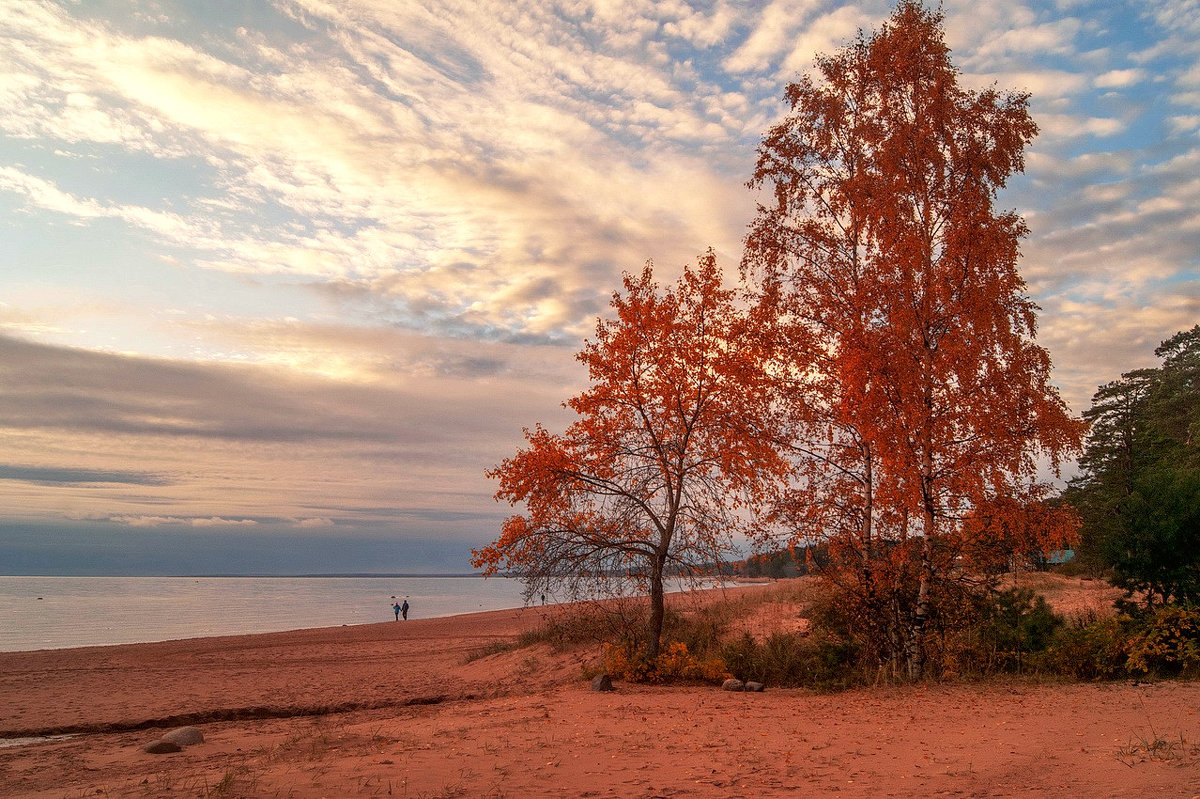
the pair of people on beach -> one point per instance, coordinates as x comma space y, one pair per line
401, 610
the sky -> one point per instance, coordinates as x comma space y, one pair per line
280, 280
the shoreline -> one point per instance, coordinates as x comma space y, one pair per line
267, 625
271, 674
246, 634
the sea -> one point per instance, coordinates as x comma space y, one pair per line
61, 612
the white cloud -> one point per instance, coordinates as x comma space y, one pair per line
46, 196
701, 29
488, 157
313, 523
827, 34
1067, 126
1121, 78
159, 521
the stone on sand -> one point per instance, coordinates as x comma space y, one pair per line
602, 682
185, 736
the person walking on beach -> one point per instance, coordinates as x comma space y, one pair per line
396, 608
404, 610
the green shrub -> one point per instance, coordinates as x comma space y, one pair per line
1017, 624
1095, 649
791, 660
1167, 643
745, 659
701, 629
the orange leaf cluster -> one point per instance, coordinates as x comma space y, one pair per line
916, 392
667, 456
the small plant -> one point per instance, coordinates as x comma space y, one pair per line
237, 782
1168, 644
1018, 623
1090, 649
1155, 747
627, 661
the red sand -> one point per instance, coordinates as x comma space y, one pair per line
393, 709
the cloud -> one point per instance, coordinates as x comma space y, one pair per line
382, 173
411, 423
161, 521
313, 523
1066, 126
45, 195
315, 267
71, 476
1121, 78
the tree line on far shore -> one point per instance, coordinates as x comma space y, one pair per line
870, 387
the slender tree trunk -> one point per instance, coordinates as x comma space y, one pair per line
877, 613
916, 644
657, 610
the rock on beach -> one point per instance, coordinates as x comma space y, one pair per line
174, 741
185, 736
161, 747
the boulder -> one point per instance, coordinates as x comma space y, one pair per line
602, 682
161, 747
185, 736
733, 685
755, 687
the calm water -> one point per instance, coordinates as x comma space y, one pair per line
58, 612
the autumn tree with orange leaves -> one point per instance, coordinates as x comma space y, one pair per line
666, 460
915, 396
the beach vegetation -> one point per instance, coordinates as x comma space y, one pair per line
628, 660
916, 405
666, 462
796, 634
792, 660
1167, 643
1138, 491
1154, 747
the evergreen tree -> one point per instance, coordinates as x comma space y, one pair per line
1138, 493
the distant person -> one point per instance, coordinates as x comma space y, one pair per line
543, 599
396, 608
404, 610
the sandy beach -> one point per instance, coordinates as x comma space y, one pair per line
410, 709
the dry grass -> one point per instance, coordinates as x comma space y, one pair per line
1072, 597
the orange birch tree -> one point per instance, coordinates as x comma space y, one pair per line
665, 461
916, 391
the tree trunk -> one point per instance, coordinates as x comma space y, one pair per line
657, 611
916, 653
916, 644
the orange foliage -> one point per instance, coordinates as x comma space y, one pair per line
917, 394
667, 457
675, 662
1003, 528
